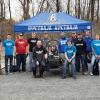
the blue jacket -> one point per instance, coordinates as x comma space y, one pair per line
88, 40
62, 44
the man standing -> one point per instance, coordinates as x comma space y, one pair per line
74, 37
21, 48
80, 53
32, 43
39, 55
62, 44
96, 51
70, 53
45, 40
45, 44
8, 44
88, 39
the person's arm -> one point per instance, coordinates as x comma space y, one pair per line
27, 47
84, 44
73, 56
46, 56
45, 53
74, 50
34, 54
66, 57
94, 53
15, 48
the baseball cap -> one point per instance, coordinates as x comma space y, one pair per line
21, 34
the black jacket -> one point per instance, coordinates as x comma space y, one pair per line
38, 53
80, 47
32, 43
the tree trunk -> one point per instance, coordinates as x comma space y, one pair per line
10, 10
2, 10
40, 9
25, 7
84, 9
76, 8
79, 9
88, 10
57, 6
68, 7
98, 6
92, 9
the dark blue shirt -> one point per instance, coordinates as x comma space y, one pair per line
88, 40
62, 44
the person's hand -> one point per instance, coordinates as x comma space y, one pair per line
46, 56
14, 54
98, 57
69, 60
37, 63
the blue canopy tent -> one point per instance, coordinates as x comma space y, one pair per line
52, 22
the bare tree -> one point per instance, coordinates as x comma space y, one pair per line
40, 9
79, 9
25, 7
1, 9
88, 9
68, 7
83, 9
92, 9
98, 10
57, 5
76, 8
10, 10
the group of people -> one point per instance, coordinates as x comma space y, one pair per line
79, 52
76, 50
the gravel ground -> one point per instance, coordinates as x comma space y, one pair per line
21, 86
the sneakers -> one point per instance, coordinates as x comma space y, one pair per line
84, 73
91, 73
74, 77
38, 76
64, 77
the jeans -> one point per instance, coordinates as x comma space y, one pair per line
10, 59
31, 60
77, 63
88, 57
92, 62
73, 68
21, 59
41, 68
